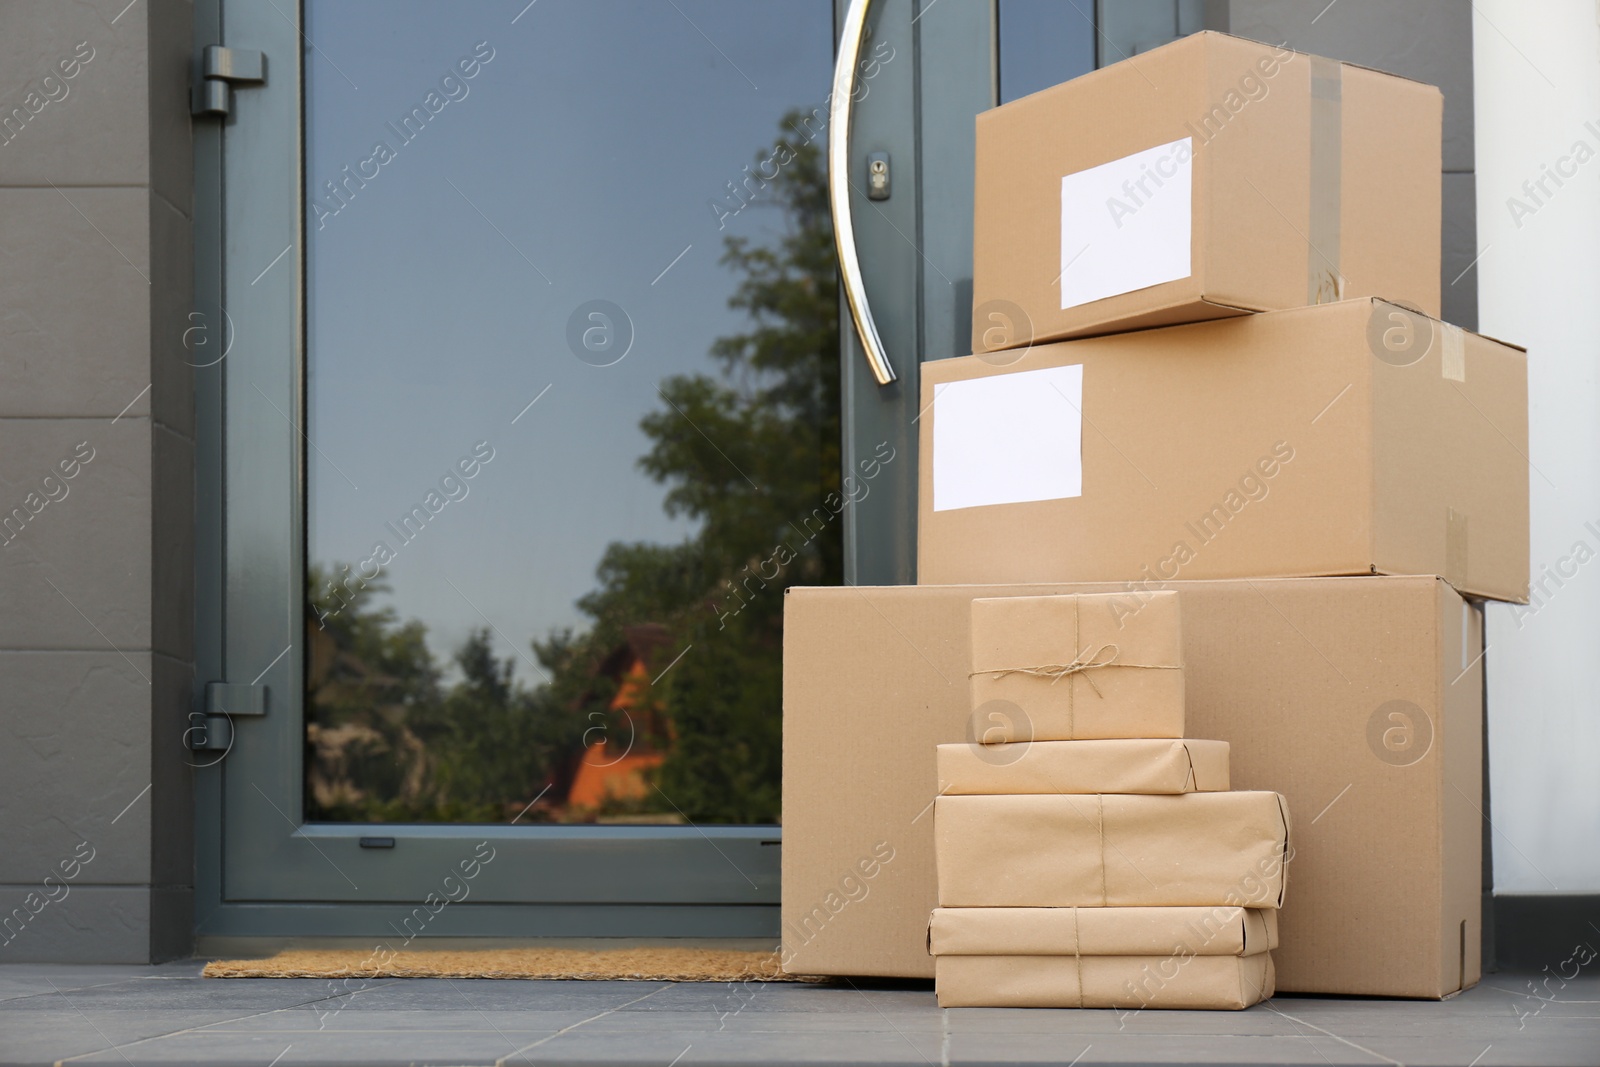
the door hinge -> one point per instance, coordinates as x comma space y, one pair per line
217, 70
212, 729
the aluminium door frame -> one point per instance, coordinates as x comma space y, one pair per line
261, 871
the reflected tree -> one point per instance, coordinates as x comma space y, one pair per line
750, 454
678, 678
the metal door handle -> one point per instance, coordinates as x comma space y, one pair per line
844, 232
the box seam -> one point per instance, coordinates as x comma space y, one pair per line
1441, 599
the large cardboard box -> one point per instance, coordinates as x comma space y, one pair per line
1206, 178
1359, 699
1350, 438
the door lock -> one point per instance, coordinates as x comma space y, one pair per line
878, 176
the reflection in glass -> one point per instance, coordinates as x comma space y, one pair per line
1043, 43
573, 403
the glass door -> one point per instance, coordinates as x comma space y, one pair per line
571, 372
538, 391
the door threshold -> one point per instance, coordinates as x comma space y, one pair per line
248, 948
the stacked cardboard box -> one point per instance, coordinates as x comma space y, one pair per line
1317, 467
1284, 444
1207, 179
1088, 855
1360, 699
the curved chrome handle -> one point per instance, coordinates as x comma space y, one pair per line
844, 231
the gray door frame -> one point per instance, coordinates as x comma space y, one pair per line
916, 255
261, 869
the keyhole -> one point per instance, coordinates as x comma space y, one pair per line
878, 176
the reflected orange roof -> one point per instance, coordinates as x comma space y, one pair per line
602, 776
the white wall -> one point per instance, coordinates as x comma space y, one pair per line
1537, 96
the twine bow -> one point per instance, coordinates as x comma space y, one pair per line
1083, 663
1057, 671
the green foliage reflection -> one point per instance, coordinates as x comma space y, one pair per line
668, 706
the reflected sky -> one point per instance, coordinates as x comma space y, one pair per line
572, 155
1043, 43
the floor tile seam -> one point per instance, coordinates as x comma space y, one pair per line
187, 1030
504, 1060
1297, 1022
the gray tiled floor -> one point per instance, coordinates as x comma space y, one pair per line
139, 1016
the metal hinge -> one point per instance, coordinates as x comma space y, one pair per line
217, 70
212, 729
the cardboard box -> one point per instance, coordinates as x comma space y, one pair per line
1111, 850
1359, 699
1128, 982
1137, 765
1204, 179
1058, 668
1352, 438
1216, 931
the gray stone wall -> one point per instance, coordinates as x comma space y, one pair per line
96, 480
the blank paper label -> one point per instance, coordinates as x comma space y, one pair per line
1125, 225
1008, 439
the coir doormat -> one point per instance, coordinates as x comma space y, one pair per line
631, 964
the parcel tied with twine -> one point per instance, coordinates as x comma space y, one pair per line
1062, 668
1188, 957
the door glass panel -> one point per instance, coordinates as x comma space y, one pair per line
1043, 43
572, 404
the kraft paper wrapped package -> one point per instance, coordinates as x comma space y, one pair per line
1057, 668
1191, 849
1126, 982
1223, 930
1126, 765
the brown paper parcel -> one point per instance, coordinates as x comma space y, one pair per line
1130, 765
1216, 931
1055, 668
1171, 981
1111, 850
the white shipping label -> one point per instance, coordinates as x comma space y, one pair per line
1126, 224
1008, 439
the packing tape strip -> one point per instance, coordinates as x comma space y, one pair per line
1452, 352
1325, 282
1455, 548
